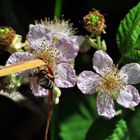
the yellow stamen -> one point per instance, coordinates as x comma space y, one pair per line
49, 58
110, 83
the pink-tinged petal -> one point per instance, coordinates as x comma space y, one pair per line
37, 90
87, 82
131, 73
38, 35
79, 39
68, 47
39, 45
105, 106
37, 31
100, 61
19, 57
129, 97
83, 44
65, 76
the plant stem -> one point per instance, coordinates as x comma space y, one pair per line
58, 8
50, 105
98, 38
50, 108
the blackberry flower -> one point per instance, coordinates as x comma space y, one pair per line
56, 49
110, 84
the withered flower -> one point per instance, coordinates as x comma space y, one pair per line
94, 22
7, 35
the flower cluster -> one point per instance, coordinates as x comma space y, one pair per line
54, 42
110, 83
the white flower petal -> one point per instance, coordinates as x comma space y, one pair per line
87, 81
83, 43
39, 35
68, 47
37, 31
65, 76
19, 57
129, 97
105, 106
131, 73
37, 90
100, 61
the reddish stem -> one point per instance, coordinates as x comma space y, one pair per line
50, 108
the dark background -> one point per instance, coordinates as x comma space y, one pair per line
21, 123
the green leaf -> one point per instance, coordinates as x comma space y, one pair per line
74, 127
128, 35
134, 126
120, 132
114, 129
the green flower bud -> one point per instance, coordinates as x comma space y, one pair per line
56, 100
57, 92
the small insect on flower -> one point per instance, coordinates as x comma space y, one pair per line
110, 84
44, 79
94, 22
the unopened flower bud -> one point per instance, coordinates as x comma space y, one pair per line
56, 100
10, 41
16, 44
57, 92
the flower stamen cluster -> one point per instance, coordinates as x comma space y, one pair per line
110, 83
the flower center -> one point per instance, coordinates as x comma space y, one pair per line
93, 19
49, 58
51, 55
110, 83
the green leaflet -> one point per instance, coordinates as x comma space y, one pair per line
120, 132
74, 128
134, 125
114, 129
128, 35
